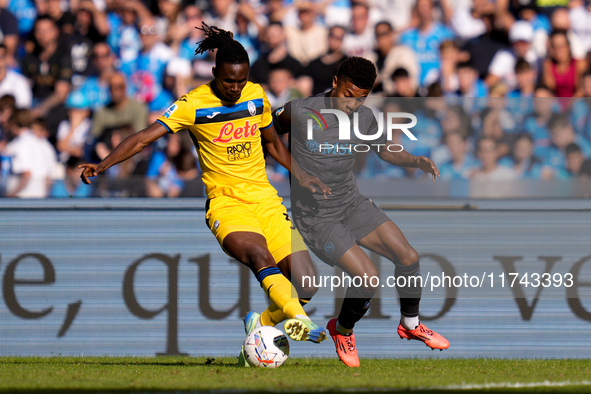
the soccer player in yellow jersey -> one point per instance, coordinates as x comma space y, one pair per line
227, 118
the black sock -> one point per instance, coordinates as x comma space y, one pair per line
410, 293
355, 305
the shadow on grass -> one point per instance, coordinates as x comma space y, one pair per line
323, 391
186, 362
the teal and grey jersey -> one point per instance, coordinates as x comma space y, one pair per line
325, 151
330, 226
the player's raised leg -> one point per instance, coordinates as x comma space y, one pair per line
388, 241
251, 249
299, 269
300, 274
289, 251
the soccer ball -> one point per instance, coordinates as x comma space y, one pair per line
266, 347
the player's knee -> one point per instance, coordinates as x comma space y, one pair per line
371, 280
409, 257
371, 271
365, 277
257, 257
307, 290
303, 276
306, 285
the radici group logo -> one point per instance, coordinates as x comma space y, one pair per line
386, 123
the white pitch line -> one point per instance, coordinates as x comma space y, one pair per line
464, 386
508, 385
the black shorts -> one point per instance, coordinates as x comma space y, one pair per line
329, 233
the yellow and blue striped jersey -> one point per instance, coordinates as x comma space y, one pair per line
228, 139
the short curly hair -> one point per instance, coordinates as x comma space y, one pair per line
359, 71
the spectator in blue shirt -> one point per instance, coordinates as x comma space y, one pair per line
492, 121
146, 72
528, 11
162, 176
536, 124
248, 30
523, 161
124, 37
96, 87
185, 35
490, 169
405, 86
462, 162
71, 185
526, 79
426, 38
561, 135
172, 173
581, 108
452, 119
519, 101
574, 162
25, 13
469, 85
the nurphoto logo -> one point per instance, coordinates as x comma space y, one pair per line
392, 122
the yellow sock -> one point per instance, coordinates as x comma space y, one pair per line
272, 316
281, 292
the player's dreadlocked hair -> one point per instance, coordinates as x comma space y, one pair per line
359, 71
229, 50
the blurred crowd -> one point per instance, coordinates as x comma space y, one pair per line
500, 88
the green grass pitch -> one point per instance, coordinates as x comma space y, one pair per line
167, 374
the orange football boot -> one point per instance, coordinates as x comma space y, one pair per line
345, 345
422, 333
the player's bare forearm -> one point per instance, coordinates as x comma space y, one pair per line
400, 159
276, 147
132, 145
308, 181
279, 152
129, 147
298, 172
406, 159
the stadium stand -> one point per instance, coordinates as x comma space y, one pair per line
508, 77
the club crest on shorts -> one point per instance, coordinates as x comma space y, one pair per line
252, 109
329, 247
216, 224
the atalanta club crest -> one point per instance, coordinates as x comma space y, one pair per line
252, 109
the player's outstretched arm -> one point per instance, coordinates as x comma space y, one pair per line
129, 147
406, 159
279, 152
